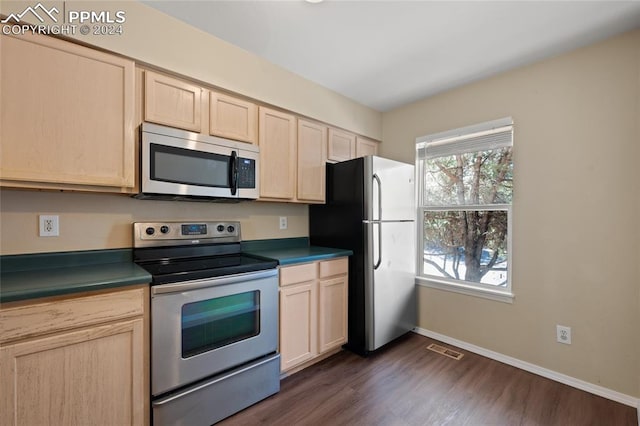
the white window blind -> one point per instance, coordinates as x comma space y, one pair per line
490, 135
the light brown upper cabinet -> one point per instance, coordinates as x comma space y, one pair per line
67, 116
341, 145
172, 102
312, 148
277, 141
365, 147
233, 118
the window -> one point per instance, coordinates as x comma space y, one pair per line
465, 187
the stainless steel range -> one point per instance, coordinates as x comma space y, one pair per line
214, 321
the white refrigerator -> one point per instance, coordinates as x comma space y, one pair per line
370, 209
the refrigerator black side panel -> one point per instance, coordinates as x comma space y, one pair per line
338, 223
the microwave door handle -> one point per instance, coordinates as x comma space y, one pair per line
233, 173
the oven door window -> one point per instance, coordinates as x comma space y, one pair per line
189, 167
214, 323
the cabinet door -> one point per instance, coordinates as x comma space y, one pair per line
342, 145
277, 140
332, 315
67, 115
312, 148
298, 324
233, 118
172, 102
93, 376
366, 147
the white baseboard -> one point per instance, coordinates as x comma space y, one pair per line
535, 369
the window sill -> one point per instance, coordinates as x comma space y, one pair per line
499, 296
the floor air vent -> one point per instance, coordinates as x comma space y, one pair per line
445, 351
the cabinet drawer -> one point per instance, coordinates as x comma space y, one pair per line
53, 316
298, 273
330, 268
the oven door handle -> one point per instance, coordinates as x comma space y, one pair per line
211, 282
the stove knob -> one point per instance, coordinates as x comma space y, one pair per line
231, 229
220, 228
150, 231
164, 229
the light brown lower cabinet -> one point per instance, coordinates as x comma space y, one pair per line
313, 311
81, 361
332, 313
298, 324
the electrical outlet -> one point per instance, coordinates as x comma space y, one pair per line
563, 334
49, 225
283, 222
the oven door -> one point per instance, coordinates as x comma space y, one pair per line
186, 167
203, 327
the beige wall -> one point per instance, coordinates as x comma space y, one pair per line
575, 211
103, 221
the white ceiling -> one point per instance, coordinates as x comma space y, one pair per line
385, 54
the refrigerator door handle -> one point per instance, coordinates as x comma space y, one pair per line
377, 180
379, 261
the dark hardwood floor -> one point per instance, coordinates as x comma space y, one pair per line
406, 384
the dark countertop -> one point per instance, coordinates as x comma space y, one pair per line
31, 276
289, 251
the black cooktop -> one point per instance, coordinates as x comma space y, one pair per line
171, 271
170, 265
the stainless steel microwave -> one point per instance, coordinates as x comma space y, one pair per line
182, 165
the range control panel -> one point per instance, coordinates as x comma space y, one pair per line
180, 233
